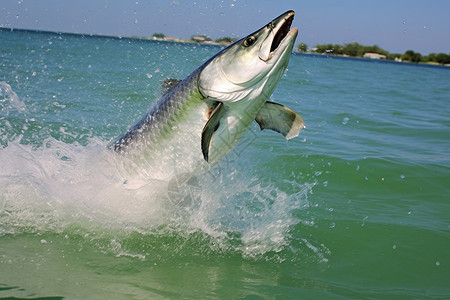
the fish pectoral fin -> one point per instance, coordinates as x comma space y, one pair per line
168, 85
210, 128
281, 119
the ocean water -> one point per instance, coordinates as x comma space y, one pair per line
356, 207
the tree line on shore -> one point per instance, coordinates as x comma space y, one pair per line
196, 39
351, 49
358, 50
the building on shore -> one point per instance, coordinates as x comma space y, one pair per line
199, 39
374, 55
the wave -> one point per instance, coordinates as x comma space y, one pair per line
64, 188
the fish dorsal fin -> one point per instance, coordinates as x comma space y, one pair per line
210, 128
281, 119
168, 85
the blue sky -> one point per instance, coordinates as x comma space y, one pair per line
395, 25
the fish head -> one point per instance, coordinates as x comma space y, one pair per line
253, 63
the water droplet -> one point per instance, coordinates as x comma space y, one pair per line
364, 221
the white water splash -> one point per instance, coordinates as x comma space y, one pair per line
62, 186
9, 100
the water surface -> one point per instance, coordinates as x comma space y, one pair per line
356, 207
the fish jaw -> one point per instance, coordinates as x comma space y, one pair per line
240, 68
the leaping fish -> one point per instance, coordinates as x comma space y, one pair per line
210, 110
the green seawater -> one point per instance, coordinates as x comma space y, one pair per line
356, 207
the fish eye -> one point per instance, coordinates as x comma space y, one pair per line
249, 41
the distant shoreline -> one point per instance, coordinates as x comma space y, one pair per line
374, 52
356, 58
177, 40
212, 43
167, 39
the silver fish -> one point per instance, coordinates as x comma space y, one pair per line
202, 117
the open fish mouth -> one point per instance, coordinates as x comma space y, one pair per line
279, 37
282, 32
